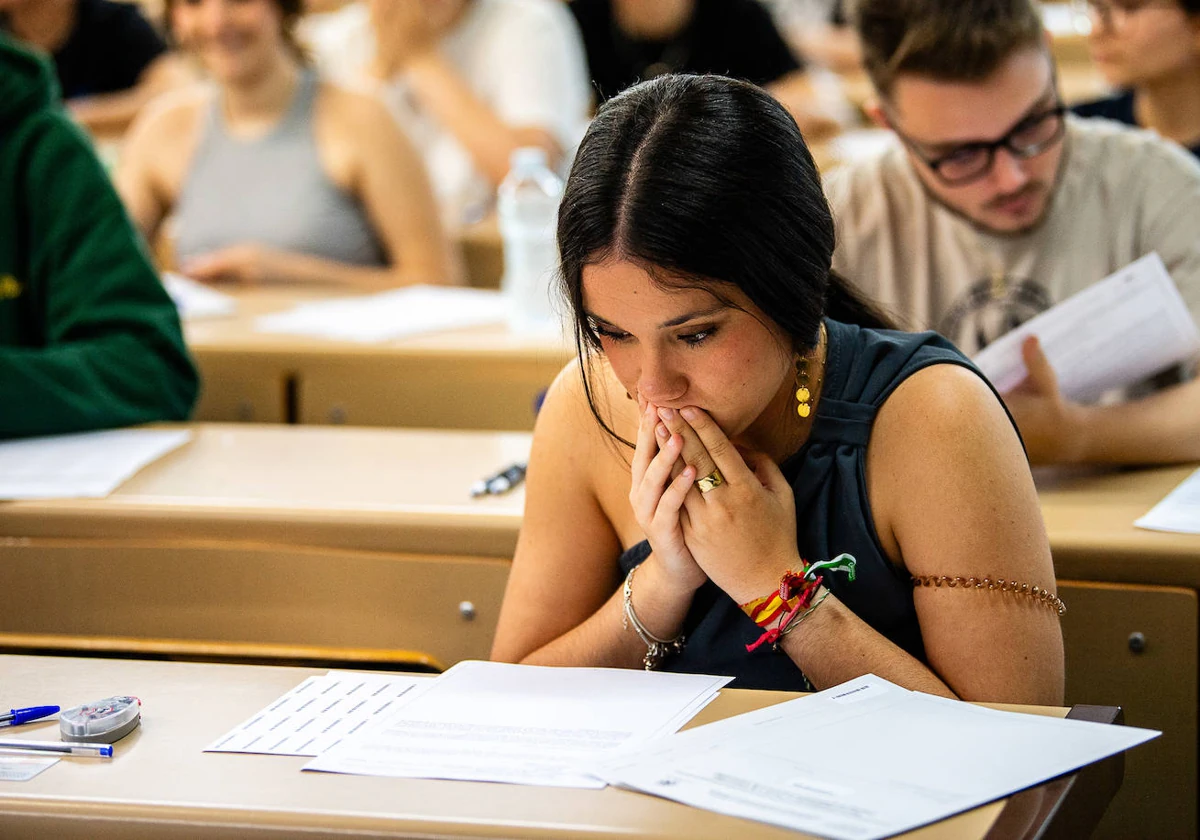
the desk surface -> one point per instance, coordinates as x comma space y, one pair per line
161, 784
237, 334
1089, 517
354, 488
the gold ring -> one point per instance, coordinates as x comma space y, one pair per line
713, 479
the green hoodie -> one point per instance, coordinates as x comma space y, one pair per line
88, 337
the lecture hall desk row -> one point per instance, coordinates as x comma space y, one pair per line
481, 378
161, 785
352, 539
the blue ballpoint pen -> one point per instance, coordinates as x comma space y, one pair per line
16, 717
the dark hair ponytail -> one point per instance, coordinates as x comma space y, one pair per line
705, 181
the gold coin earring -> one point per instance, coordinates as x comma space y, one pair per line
804, 391
803, 394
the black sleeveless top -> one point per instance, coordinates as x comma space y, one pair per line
833, 515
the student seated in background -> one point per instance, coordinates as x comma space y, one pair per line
631, 40
993, 205
470, 81
819, 31
88, 337
272, 175
110, 60
737, 411
1151, 51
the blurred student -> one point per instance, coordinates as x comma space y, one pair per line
631, 40
819, 31
470, 81
109, 59
88, 337
994, 204
1151, 51
272, 175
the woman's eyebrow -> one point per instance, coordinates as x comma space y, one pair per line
691, 316
673, 322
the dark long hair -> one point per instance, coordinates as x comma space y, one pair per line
704, 181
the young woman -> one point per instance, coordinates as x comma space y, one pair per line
1150, 49
272, 175
767, 425
470, 81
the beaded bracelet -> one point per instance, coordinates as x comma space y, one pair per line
1036, 593
656, 649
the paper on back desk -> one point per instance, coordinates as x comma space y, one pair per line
864, 760
1114, 334
1179, 512
390, 315
196, 301
87, 465
522, 724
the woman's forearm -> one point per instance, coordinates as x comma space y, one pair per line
606, 639
834, 645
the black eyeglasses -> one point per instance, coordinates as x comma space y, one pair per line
972, 161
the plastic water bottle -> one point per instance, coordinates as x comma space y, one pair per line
528, 211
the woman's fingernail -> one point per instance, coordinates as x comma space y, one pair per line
666, 413
689, 413
660, 430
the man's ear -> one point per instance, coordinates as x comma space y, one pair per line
873, 108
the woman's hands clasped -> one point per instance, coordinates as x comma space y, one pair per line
741, 534
660, 483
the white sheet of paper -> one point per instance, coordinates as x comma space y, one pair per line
1178, 512
522, 724
83, 466
1111, 335
864, 760
195, 300
318, 713
390, 315
15, 769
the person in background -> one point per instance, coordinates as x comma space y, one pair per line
273, 175
733, 409
1150, 49
470, 80
819, 31
628, 41
109, 59
993, 204
88, 337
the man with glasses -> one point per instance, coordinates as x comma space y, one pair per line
994, 205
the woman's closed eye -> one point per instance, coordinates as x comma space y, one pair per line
695, 338
602, 332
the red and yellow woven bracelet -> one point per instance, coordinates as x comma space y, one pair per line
793, 597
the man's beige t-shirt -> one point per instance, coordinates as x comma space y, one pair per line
1122, 193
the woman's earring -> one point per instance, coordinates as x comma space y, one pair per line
803, 395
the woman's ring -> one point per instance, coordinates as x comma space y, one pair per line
713, 479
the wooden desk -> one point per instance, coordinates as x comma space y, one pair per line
359, 538
1132, 632
161, 784
485, 378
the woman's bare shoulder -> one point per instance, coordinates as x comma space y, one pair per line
176, 114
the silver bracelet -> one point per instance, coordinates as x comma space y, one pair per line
656, 649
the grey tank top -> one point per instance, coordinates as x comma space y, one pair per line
271, 191
828, 477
